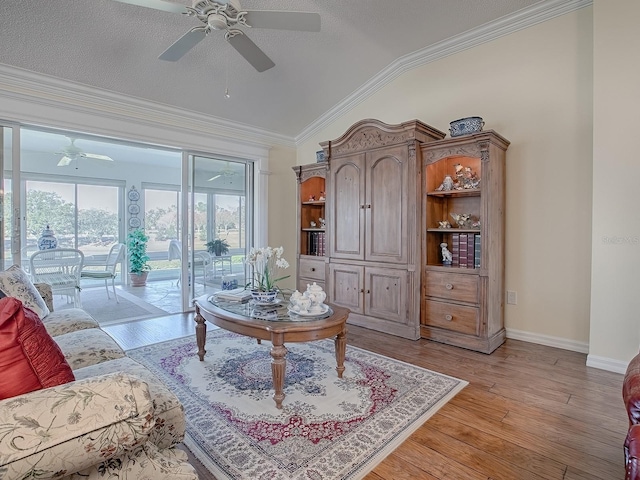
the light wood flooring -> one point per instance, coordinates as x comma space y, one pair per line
529, 411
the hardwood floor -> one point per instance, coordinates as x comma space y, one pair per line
529, 411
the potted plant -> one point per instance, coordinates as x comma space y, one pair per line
218, 246
138, 258
266, 264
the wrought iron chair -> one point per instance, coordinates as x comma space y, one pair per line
107, 269
60, 268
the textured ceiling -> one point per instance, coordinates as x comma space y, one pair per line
114, 46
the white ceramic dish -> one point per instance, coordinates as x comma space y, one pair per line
325, 309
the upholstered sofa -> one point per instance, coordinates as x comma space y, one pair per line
631, 397
115, 421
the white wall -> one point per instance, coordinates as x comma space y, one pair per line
535, 88
615, 289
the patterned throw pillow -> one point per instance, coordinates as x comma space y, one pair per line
14, 282
29, 358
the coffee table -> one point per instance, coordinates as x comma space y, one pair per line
273, 323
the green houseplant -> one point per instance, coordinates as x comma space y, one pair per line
138, 258
218, 246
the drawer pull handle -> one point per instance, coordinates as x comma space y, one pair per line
313, 269
448, 286
448, 317
362, 290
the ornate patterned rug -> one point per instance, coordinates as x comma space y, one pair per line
329, 428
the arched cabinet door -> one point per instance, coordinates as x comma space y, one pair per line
347, 217
386, 205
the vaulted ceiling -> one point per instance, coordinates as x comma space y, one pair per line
114, 46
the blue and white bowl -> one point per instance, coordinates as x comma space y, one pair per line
464, 126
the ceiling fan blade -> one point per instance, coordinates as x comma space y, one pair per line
157, 5
183, 44
282, 20
214, 177
64, 161
251, 52
96, 156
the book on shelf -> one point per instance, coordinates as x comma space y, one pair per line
464, 245
477, 250
471, 250
236, 295
316, 243
455, 250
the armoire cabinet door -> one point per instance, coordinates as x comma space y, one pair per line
386, 294
386, 205
347, 286
347, 208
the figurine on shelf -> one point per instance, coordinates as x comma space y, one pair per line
312, 198
446, 185
313, 224
447, 257
321, 220
322, 197
462, 219
466, 179
444, 224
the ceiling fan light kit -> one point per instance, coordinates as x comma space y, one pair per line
227, 15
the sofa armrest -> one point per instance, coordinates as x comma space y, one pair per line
44, 289
61, 430
632, 453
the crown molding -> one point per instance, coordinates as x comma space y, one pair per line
538, 13
49, 91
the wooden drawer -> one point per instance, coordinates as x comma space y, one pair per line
452, 286
311, 269
452, 317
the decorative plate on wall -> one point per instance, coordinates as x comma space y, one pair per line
134, 209
134, 195
134, 222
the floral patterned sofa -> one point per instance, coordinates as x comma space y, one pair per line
115, 421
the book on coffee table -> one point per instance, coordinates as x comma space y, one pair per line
235, 295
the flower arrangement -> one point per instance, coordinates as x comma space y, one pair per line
266, 263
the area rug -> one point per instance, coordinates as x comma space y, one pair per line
108, 311
328, 428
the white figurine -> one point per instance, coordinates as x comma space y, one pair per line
447, 258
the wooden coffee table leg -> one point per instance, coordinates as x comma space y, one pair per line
278, 368
201, 333
341, 347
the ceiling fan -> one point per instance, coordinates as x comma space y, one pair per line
225, 173
227, 15
71, 152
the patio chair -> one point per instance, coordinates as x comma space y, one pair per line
107, 270
202, 261
60, 268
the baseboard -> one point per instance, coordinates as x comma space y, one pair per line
558, 342
608, 364
602, 363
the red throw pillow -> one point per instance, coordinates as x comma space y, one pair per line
29, 358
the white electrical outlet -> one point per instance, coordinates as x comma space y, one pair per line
512, 297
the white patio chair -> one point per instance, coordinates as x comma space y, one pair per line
61, 269
107, 269
202, 261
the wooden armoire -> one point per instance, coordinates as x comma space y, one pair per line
373, 230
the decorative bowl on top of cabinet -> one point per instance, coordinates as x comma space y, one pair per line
463, 293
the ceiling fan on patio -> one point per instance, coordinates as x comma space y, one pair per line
71, 152
225, 173
227, 15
